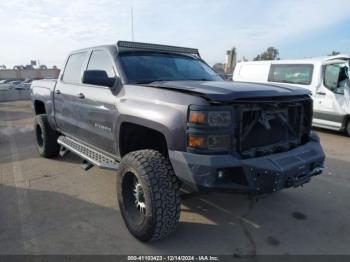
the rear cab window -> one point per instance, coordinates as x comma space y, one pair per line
74, 67
300, 74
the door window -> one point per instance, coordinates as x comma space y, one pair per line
336, 77
100, 70
74, 67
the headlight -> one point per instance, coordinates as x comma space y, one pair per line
210, 129
210, 118
209, 142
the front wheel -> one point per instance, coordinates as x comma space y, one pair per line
148, 195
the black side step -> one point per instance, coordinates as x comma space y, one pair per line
90, 155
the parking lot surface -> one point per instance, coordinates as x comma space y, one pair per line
52, 206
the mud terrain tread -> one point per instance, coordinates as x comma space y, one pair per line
50, 146
164, 188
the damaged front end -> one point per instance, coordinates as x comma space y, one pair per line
272, 125
261, 146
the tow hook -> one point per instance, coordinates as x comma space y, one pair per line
317, 171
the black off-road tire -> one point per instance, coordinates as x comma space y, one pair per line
46, 137
160, 194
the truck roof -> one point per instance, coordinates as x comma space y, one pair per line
125, 46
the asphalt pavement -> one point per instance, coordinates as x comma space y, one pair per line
53, 206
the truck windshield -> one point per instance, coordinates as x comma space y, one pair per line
147, 67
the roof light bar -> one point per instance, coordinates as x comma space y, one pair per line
156, 47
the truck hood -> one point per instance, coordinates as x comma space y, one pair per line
225, 91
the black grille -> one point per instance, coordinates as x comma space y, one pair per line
266, 127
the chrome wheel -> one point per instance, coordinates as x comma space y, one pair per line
148, 198
134, 197
139, 197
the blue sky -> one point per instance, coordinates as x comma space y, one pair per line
47, 30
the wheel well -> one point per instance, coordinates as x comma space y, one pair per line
136, 137
39, 107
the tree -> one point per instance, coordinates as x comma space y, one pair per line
334, 53
270, 54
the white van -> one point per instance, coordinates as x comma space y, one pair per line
326, 77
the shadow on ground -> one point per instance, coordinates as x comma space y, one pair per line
48, 222
15, 115
65, 219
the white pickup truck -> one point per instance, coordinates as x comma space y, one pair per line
326, 77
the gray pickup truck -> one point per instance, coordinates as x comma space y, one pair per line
162, 118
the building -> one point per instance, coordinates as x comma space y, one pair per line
231, 61
21, 74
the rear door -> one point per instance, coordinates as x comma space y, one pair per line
66, 92
96, 109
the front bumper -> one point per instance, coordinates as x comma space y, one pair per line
256, 175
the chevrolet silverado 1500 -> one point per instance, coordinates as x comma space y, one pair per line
161, 117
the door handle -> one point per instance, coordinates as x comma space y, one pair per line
321, 93
58, 92
81, 96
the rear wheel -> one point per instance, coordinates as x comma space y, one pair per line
348, 128
148, 195
46, 137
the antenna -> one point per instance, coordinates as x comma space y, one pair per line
132, 24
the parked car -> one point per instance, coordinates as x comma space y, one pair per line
160, 116
4, 85
4, 81
28, 81
326, 77
25, 86
14, 84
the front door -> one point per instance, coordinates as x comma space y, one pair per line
330, 100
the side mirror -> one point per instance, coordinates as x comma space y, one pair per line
98, 78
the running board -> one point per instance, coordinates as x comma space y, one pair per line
90, 155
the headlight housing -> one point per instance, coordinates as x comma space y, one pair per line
209, 129
211, 118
